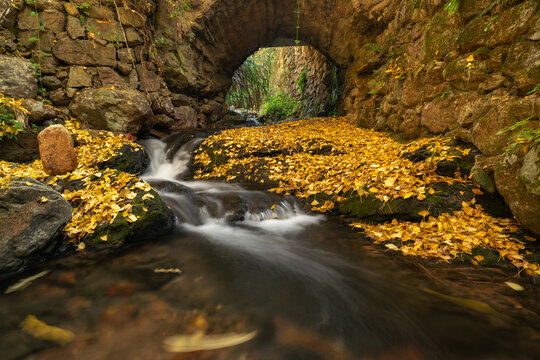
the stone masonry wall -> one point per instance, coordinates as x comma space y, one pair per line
303, 73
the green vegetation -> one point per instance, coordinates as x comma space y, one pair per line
302, 80
453, 6
9, 127
250, 83
525, 136
279, 106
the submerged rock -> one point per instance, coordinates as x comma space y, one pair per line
32, 215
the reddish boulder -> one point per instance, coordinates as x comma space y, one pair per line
56, 150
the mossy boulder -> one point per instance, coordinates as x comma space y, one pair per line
131, 159
447, 198
154, 218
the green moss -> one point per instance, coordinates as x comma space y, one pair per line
454, 69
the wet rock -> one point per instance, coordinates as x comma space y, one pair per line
84, 52
29, 223
17, 78
131, 159
524, 205
56, 150
115, 110
154, 219
24, 148
39, 111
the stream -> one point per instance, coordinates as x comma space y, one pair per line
245, 260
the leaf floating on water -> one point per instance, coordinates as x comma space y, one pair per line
199, 341
40, 330
470, 303
24, 283
169, 270
392, 247
514, 286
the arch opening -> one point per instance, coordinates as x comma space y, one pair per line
284, 82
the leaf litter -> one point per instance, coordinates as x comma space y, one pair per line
105, 193
331, 157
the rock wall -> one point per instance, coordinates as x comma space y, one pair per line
100, 60
303, 73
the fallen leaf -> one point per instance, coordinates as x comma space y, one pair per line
514, 286
199, 341
40, 330
24, 283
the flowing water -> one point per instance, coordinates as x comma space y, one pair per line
249, 260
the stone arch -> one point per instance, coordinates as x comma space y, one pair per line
226, 32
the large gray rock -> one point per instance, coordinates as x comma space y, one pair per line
29, 222
115, 110
17, 78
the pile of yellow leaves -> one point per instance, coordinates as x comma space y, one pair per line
104, 194
339, 160
360, 160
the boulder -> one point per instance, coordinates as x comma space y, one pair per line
115, 110
39, 111
32, 215
56, 150
130, 159
17, 77
154, 218
524, 205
